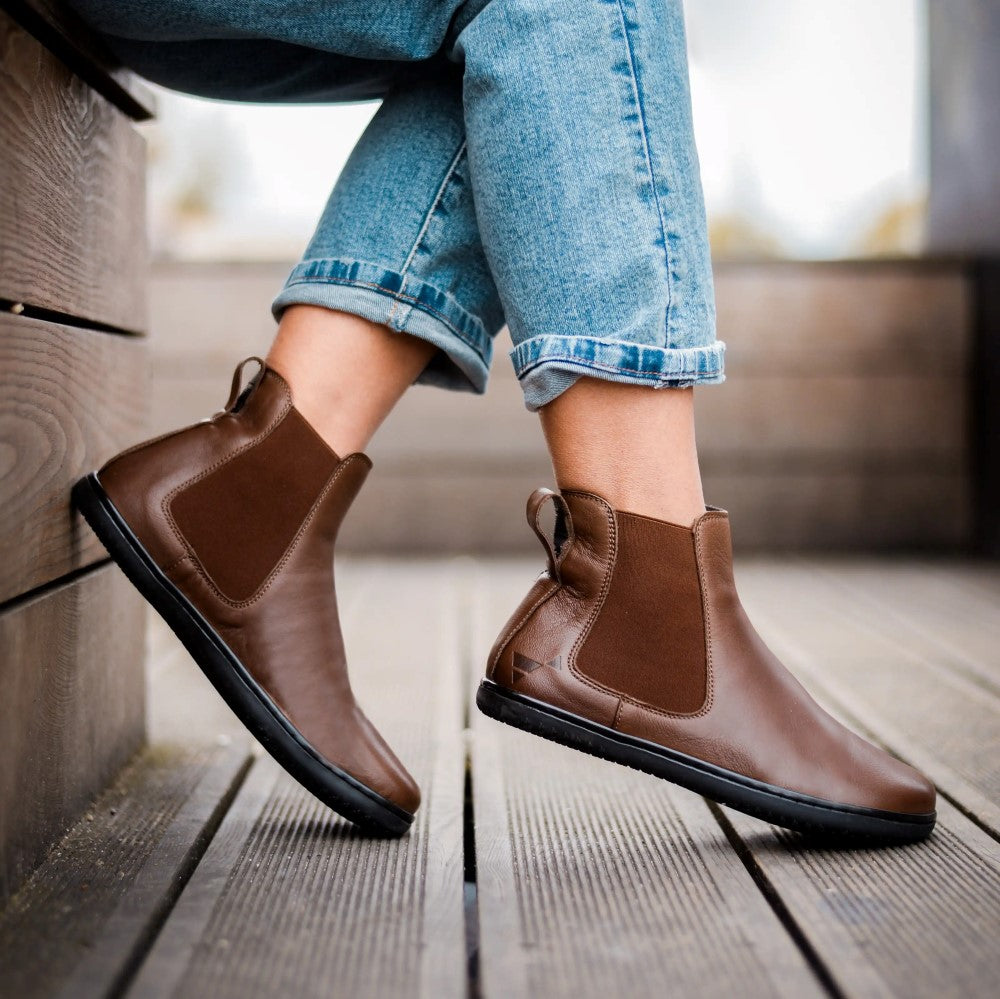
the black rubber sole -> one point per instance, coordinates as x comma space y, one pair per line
249, 701
765, 801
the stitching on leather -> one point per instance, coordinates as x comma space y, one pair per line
269, 579
706, 614
710, 672
605, 587
176, 562
175, 433
148, 443
618, 713
710, 679
219, 463
514, 629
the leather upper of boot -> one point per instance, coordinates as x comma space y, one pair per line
637, 626
241, 513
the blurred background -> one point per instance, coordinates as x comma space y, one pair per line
847, 153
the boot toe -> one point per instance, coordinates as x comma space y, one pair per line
913, 792
406, 791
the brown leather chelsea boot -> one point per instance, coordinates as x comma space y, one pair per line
633, 646
228, 528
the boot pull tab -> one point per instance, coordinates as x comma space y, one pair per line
562, 536
237, 387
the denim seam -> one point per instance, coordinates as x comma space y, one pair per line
643, 132
442, 187
396, 296
612, 368
683, 373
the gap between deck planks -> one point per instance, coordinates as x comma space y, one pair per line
289, 898
594, 879
85, 916
590, 878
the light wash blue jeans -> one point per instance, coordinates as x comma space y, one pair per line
533, 162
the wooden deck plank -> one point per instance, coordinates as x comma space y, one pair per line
884, 676
594, 879
914, 922
291, 899
81, 920
71, 708
945, 607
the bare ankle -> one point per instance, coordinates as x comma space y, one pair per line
632, 445
346, 373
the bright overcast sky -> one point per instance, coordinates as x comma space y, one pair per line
810, 120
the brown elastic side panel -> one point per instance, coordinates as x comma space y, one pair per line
648, 641
240, 519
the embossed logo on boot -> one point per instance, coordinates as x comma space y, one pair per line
523, 665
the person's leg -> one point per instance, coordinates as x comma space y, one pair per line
633, 645
594, 226
393, 287
347, 373
634, 447
228, 526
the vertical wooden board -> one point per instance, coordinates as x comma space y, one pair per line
597, 880
72, 708
788, 507
883, 677
292, 900
69, 400
852, 317
77, 924
883, 422
61, 30
72, 191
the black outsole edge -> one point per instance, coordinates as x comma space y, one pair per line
765, 801
334, 787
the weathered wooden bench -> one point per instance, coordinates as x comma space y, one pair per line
73, 390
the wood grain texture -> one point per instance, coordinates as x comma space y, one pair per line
915, 922
69, 400
72, 191
290, 899
71, 672
950, 609
598, 880
81, 920
60, 29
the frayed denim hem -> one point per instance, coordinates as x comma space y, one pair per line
405, 304
547, 365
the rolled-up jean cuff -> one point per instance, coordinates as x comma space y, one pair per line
548, 365
403, 303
